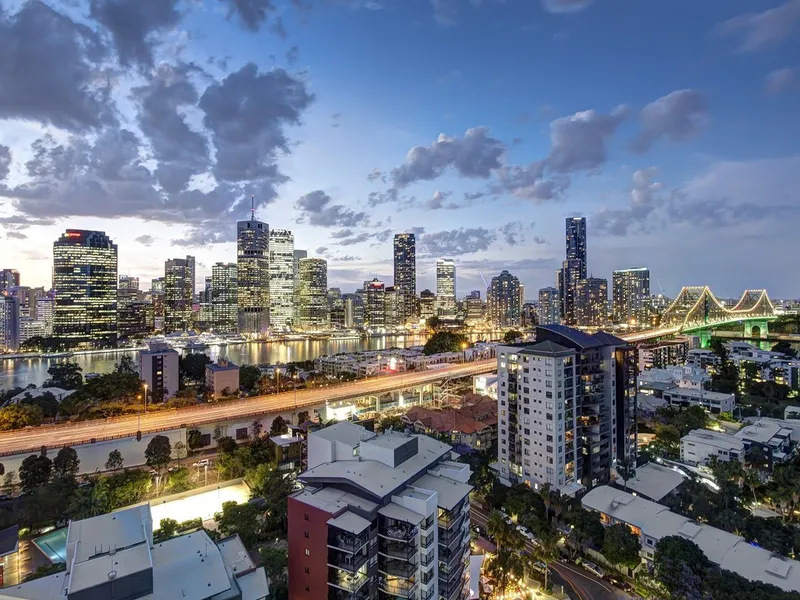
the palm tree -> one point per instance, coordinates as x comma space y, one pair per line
755, 457
505, 536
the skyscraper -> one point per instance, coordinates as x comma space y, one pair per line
281, 279
504, 305
446, 287
549, 306
252, 266
592, 302
313, 294
85, 285
179, 276
427, 304
298, 255
224, 298
631, 295
9, 322
576, 241
473, 307
405, 275
9, 278
127, 290
573, 268
375, 305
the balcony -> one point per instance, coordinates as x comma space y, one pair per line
398, 568
451, 588
337, 594
347, 561
397, 530
398, 587
349, 582
450, 540
346, 542
401, 550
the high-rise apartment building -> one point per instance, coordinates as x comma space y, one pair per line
592, 302
375, 304
473, 307
381, 516
504, 306
85, 287
45, 308
576, 241
9, 322
313, 294
405, 275
567, 408
573, 268
9, 278
549, 306
158, 368
631, 288
253, 275
179, 274
224, 297
393, 307
281, 279
427, 304
446, 287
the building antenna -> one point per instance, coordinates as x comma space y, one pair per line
252, 207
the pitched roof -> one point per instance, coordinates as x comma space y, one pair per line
469, 418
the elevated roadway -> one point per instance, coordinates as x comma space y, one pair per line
70, 434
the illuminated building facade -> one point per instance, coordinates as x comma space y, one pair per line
224, 298
85, 286
9, 278
252, 260
9, 322
179, 274
592, 302
405, 276
573, 269
549, 306
375, 306
281, 279
504, 304
446, 287
631, 289
427, 304
313, 294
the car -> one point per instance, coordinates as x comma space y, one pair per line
85, 484
202, 463
620, 583
540, 566
593, 568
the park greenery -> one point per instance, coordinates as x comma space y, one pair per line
445, 341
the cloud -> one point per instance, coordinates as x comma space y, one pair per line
246, 113
437, 201
781, 80
529, 182
578, 142
252, 14
181, 152
292, 55
678, 116
132, 23
565, 6
644, 200
5, 162
342, 233
457, 242
51, 70
474, 195
345, 258
758, 30
513, 233
539, 240
16, 235
390, 196
354, 239
316, 209
474, 155
321, 250
145, 240
374, 174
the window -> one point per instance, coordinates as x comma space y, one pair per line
305, 516
308, 552
308, 589
307, 570
305, 533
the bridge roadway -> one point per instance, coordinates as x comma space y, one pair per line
70, 434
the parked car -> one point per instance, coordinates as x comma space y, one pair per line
620, 583
540, 566
202, 463
593, 568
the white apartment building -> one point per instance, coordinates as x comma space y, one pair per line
158, 368
698, 446
713, 402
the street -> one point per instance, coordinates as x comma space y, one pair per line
68, 434
578, 583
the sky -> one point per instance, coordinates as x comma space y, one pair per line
479, 125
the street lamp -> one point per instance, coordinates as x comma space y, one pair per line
145, 398
464, 347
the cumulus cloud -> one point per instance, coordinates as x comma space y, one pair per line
644, 199
132, 23
5, 162
565, 6
16, 235
474, 155
352, 240
678, 116
513, 233
437, 201
374, 174
316, 209
51, 71
579, 142
457, 242
529, 182
145, 240
757, 30
781, 80
252, 14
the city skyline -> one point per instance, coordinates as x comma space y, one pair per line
165, 162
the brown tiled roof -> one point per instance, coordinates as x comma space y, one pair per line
475, 414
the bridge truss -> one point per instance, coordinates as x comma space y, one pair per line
697, 307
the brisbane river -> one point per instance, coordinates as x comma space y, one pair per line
24, 371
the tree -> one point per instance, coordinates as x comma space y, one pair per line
276, 562
158, 452
9, 480
180, 450
278, 427
178, 481
587, 528
193, 366
785, 347
66, 463
667, 440
115, 460
512, 336
126, 366
444, 341
246, 520
226, 445
394, 422
248, 377
621, 546
34, 471
679, 562
167, 528
756, 457
302, 416
194, 439
65, 375
433, 323
16, 416
46, 401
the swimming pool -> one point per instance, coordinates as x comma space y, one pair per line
53, 545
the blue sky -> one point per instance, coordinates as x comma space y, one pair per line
672, 126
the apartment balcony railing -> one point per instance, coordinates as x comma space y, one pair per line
398, 531
450, 539
347, 542
447, 588
404, 551
347, 561
339, 594
397, 568
351, 582
397, 587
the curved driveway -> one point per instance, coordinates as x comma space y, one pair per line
64, 434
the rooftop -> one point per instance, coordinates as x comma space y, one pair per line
349, 521
577, 337
285, 439
695, 393
718, 439
222, 366
113, 531
767, 428
332, 500
654, 481
449, 493
545, 348
345, 432
9, 540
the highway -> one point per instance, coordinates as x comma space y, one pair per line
70, 434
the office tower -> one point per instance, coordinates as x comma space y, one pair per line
205, 295
9, 322
592, 302
134, 320
85, 287
585, 387
446, 287
313, 294
178, 293
549, 306
393, 307
252, 268
9, 278
375, 304
473, 307
427, 304
354, 309
504, 306
44, 313
157, 285
224, 298
632, 295
573, 268
381, 516
127, 290
405, 275
529, 316
158, 368
336, 308
281, 279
